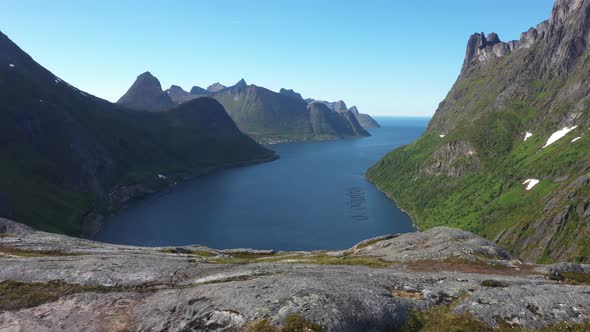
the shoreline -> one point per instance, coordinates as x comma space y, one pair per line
416, 227
89, 228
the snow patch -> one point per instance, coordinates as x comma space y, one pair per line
11, 65
577, 138
558, 135
527, 135
531, 183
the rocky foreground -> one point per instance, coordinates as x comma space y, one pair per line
52, 282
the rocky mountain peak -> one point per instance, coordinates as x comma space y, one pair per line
146, 94
565, 8
566, 35
354, 110
176, 88
290, 93
481, 48
216, 87
241, 84
197, 90
340, 106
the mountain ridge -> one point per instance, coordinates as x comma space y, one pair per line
490, 137
69, 157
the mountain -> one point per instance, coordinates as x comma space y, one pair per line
199, 91
241, 84
215, 87
507, 153
290, 93
265, 115
326, 122
364, 119
271, 117
146, 94
179, 96
69, 157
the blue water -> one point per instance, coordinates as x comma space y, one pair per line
314, 197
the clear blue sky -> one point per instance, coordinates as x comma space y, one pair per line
388, 57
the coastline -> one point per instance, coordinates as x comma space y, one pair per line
416, 227
91, 224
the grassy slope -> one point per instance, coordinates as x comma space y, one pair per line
259, 112
493, 199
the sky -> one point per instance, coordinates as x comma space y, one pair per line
388, 57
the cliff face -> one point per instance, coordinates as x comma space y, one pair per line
491, 134
373, 286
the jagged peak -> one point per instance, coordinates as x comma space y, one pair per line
176, 88
197, 90
216, 87
567, 32
147, 79
290, 93
241, 84
145, 74
340, 105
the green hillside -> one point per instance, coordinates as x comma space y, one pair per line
468, 169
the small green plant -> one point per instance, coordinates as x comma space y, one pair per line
493, 283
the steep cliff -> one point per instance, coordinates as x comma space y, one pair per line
507, 153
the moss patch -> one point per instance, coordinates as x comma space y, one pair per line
316, 258
576, 278
15, 295
13, 251
443, 319
202, 253
369, 243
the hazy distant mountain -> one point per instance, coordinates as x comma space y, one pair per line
329, 123
265, 114
216, 87
65, 153
196, 90
241, 84
146, 94
364, 119
178, 95
290, 93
